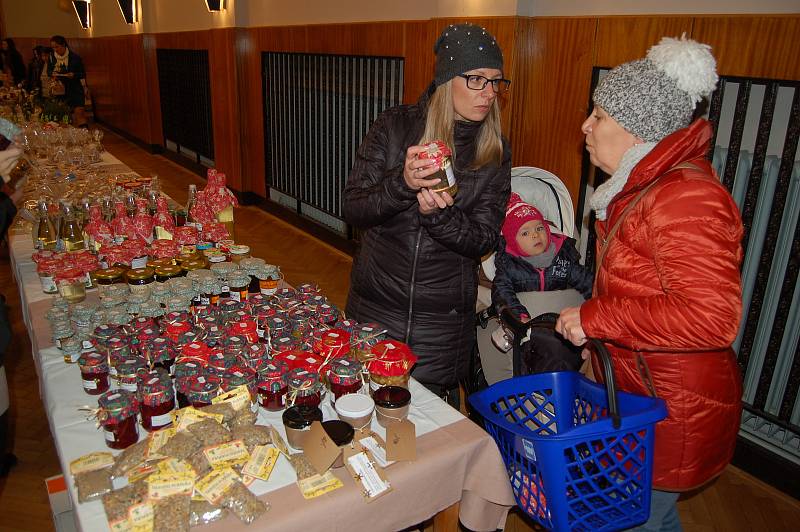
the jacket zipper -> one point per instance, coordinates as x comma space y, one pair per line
541, 279
411, 288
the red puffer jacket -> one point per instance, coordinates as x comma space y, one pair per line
668, 299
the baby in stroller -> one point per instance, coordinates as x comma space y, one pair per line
530, 258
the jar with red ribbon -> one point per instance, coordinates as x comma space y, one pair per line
141, 323
391, 364
202, 389
174, 329
304, 388
119, 349
334, 343
240, 376
128, 370
156, 400
117, 416
94, 372
344, 377
246, 329
273, 384
184, 373
365, 336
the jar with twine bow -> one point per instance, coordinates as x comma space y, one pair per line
304, 388
117, 417
390, 365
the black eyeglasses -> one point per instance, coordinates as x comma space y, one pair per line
478, 83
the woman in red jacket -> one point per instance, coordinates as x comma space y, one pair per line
667, 298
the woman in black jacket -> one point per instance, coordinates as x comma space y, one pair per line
416, 270
67, 67
13, 62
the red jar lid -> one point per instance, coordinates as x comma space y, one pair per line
48, 266
195, 350
70, 274
118, 342
392, 359
284, 343
94, 361
187, 368
176, 316
221, 361
246, 326
238, 376
335, 338
155, 388
203, 388
176, 328
42, 255
297, 358
303, 380
275, 368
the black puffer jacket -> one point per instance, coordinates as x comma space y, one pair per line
415, 274
515, 274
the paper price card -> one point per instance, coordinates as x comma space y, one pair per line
193, 415
140, 517
365, 471
216, 483
157, 440
377, 449
160, 485
91, 462
238, 398
227, 454
261, 462
317, 485
174, 466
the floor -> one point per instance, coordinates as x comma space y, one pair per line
735, 501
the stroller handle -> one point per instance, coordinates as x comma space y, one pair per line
548, 321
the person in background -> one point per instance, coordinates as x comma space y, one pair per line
35, 68
416, 271
667, 300
45, 54
13, 64
67, 66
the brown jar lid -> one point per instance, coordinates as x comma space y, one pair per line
139, 274
109, 274
194, 264
168, 271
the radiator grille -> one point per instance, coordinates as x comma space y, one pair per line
317, 110
185, 90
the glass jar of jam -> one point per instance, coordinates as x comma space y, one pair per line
159, 353
304, 388
174, 329
94, 372
344, 376
117, 415
139, 280
202, 389
234, 344
71, 285
273, 385
282, 344
166, 272
246, 329
240, 376
156, 399
143, 323
47, 268
238, 252
71, 348
239, 286
119, 349
214, 336
269, 277
210, 291
441, 157
219, 363
128, 374
277, 326
102, 334
391, 365
253, 354
184, 373
195, 351
107, 277
328, 314
297, 421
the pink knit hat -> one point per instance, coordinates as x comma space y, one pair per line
518, 213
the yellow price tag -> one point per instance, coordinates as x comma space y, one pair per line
216, 483
141, 517
160, 485
91, 462
238, 398
261, 462
317, 485
227, 454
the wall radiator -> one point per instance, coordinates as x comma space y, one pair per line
317, 110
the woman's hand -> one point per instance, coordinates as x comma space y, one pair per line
415, 171
430, 201
569, 325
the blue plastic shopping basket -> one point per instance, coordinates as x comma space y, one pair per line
579, 455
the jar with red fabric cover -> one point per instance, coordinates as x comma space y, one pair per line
160, 353
282, 344
176, 316
246, 329
391, 365
304, 387
94, 372
156, 400
46, 269
119, 349
128, 370
219, 363
174, 329
117, 416
277, 327
253, 355
141, 322
241, 376
143, 338
344, 377
327, 314
234, 344
334, 343
215, 336
102, 334
273, 384
202, 389
195, 351
184, 373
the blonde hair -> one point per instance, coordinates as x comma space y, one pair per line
440, 125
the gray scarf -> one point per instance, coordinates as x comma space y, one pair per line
607, 191
543, 259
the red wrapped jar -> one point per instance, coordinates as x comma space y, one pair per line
277, 327
234, 344
195, 351
344, 377
334, 343
117, 416
128, 373
141, 323
156, 400
391, 365
202, 389
295, 358
103, 334
240, 376
159, 353
283, 344
94, 372
119, 349
304, 388
273, 385
246, 329
176, 316
219, 363
253, 355
175, 329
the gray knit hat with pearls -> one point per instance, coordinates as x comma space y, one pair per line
656, 96
464, 47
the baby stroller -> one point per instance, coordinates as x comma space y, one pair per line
549, 194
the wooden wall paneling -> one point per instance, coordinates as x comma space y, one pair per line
550, 107
378, 38
251, 120
623, 39
419, 59
755, 46
156, 133
225, 104
281, 39
330, 38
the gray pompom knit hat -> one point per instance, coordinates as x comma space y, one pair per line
656, 96
463, 47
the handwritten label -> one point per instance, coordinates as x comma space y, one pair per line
91, 462
261, 462
364, 471
227, 454
216, 483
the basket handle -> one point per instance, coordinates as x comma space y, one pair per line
548, 321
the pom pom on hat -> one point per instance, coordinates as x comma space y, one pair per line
689, 63
657, 95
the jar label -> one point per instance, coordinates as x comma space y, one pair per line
225, 288
109, 435
48, 284
139, 288
161, 420
236, 296
205, 300
131, 387
89, 385
87, 280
